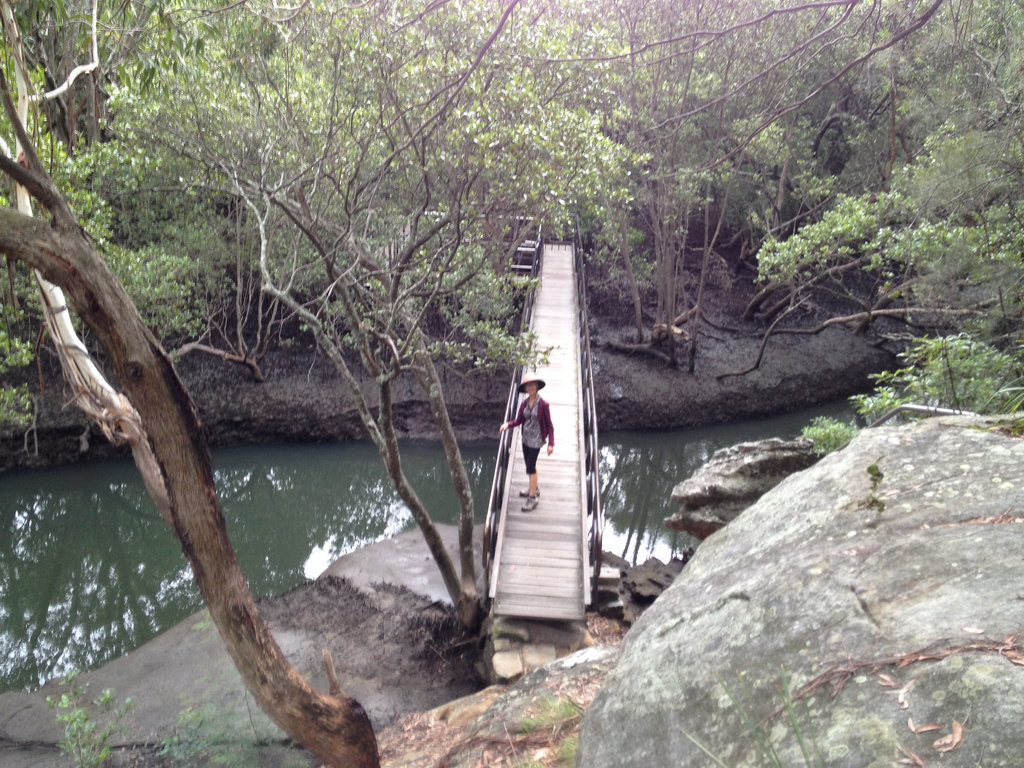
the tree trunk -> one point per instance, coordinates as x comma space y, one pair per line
622, 236
709, 246
167, 440
391, 455
666, 254
468, 603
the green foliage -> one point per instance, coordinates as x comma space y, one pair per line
1014, 398
567, 750
560, 717
165, 244
211, 735
15, 406
853, 227
15, 352
164, 285
200, 739
87, 741
554, 711
956, 372
829, 434
873, 500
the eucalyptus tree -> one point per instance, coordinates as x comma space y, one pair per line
154, 415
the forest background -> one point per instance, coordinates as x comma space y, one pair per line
258, 175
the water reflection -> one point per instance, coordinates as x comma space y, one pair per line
72, 576
89, 571
636, 480
640, 469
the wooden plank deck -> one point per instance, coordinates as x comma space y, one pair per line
541, 557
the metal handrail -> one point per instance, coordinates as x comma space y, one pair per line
927, 410
501, 462
500, 476
592, 459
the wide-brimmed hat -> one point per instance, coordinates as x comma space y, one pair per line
531, 380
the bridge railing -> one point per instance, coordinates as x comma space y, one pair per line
500, 479
503, 460
526, 257
591, 458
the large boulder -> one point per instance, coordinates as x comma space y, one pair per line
864, 610
733, 479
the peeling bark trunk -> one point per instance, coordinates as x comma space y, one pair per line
338, 731
159, 421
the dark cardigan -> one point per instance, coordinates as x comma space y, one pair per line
547, 429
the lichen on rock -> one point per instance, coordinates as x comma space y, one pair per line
819, 618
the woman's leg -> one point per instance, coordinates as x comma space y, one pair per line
530, 458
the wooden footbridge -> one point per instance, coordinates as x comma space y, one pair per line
543, 564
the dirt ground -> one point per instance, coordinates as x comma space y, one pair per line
421, 739
394, 651
397, 649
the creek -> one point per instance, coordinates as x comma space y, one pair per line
89, 571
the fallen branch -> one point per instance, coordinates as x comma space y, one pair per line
644, 349
869, 315
230, 357
764, 343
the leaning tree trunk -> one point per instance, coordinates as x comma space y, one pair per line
167, 440
468, 603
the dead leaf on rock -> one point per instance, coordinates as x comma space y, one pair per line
950, 741
1015, 655
915, 728
911, 758
887, 680
901, 695
974, 631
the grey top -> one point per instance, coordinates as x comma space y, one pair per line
531, 425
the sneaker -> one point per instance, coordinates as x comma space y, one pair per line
531, 504
526, 494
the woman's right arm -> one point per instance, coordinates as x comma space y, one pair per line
516, 421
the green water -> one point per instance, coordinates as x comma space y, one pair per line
89, 571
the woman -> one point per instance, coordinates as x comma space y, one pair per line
535, 418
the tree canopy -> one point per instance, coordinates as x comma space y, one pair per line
355, 176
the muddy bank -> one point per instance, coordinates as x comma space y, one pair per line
303, 400
637, 391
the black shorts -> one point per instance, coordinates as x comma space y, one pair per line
530, 457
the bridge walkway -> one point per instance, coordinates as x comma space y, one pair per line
541, 565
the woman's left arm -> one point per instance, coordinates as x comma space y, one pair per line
545, 414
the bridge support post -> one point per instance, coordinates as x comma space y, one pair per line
514, 647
